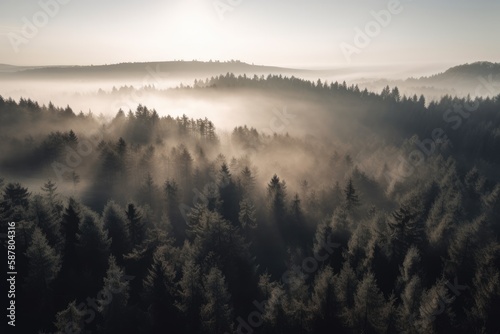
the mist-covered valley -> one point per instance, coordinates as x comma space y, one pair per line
106, 88
261, 200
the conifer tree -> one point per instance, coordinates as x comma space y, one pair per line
47, 220
276, 194
16, 195
351, 199
406, 229
93, 247
433, 311
486, 288
50, 190
116, 224
72, 139
247, 214
44, 265
70, 320
368, 313
113, 299
159, 293
70, 227
216, 311
43, 262
173, 198
275, 314
190, 293
229, 195
324, 306
408, 311
345, 291
247, 181
136, 225
14, 203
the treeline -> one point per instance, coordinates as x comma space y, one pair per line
392, 116
16, 114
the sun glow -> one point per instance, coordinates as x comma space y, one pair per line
193, 26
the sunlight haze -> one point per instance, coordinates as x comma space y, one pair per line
293, 33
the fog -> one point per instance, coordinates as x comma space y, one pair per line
227, 181
337, 121
95, 88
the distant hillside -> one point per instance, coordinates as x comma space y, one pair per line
139, 70
469, 71
476, 79
482, 77
4, 68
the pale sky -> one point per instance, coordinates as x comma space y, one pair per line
300, 33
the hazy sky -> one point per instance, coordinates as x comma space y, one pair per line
304, 33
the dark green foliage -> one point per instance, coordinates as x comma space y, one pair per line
216, 311
93, 249
70, 319
47, 220
246, 215
369, 308
351, 199
135, 224
43, 263
70, 226
324, 305
229, 195
159, 294
486, 288
116, 223
276, 197
173, 201
51, 195
247, 180
113, 300
405, 229
14, 203
149, 193
190, 295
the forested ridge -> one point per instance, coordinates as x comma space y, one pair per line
147, 223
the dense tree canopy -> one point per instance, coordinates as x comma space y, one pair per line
149, 223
